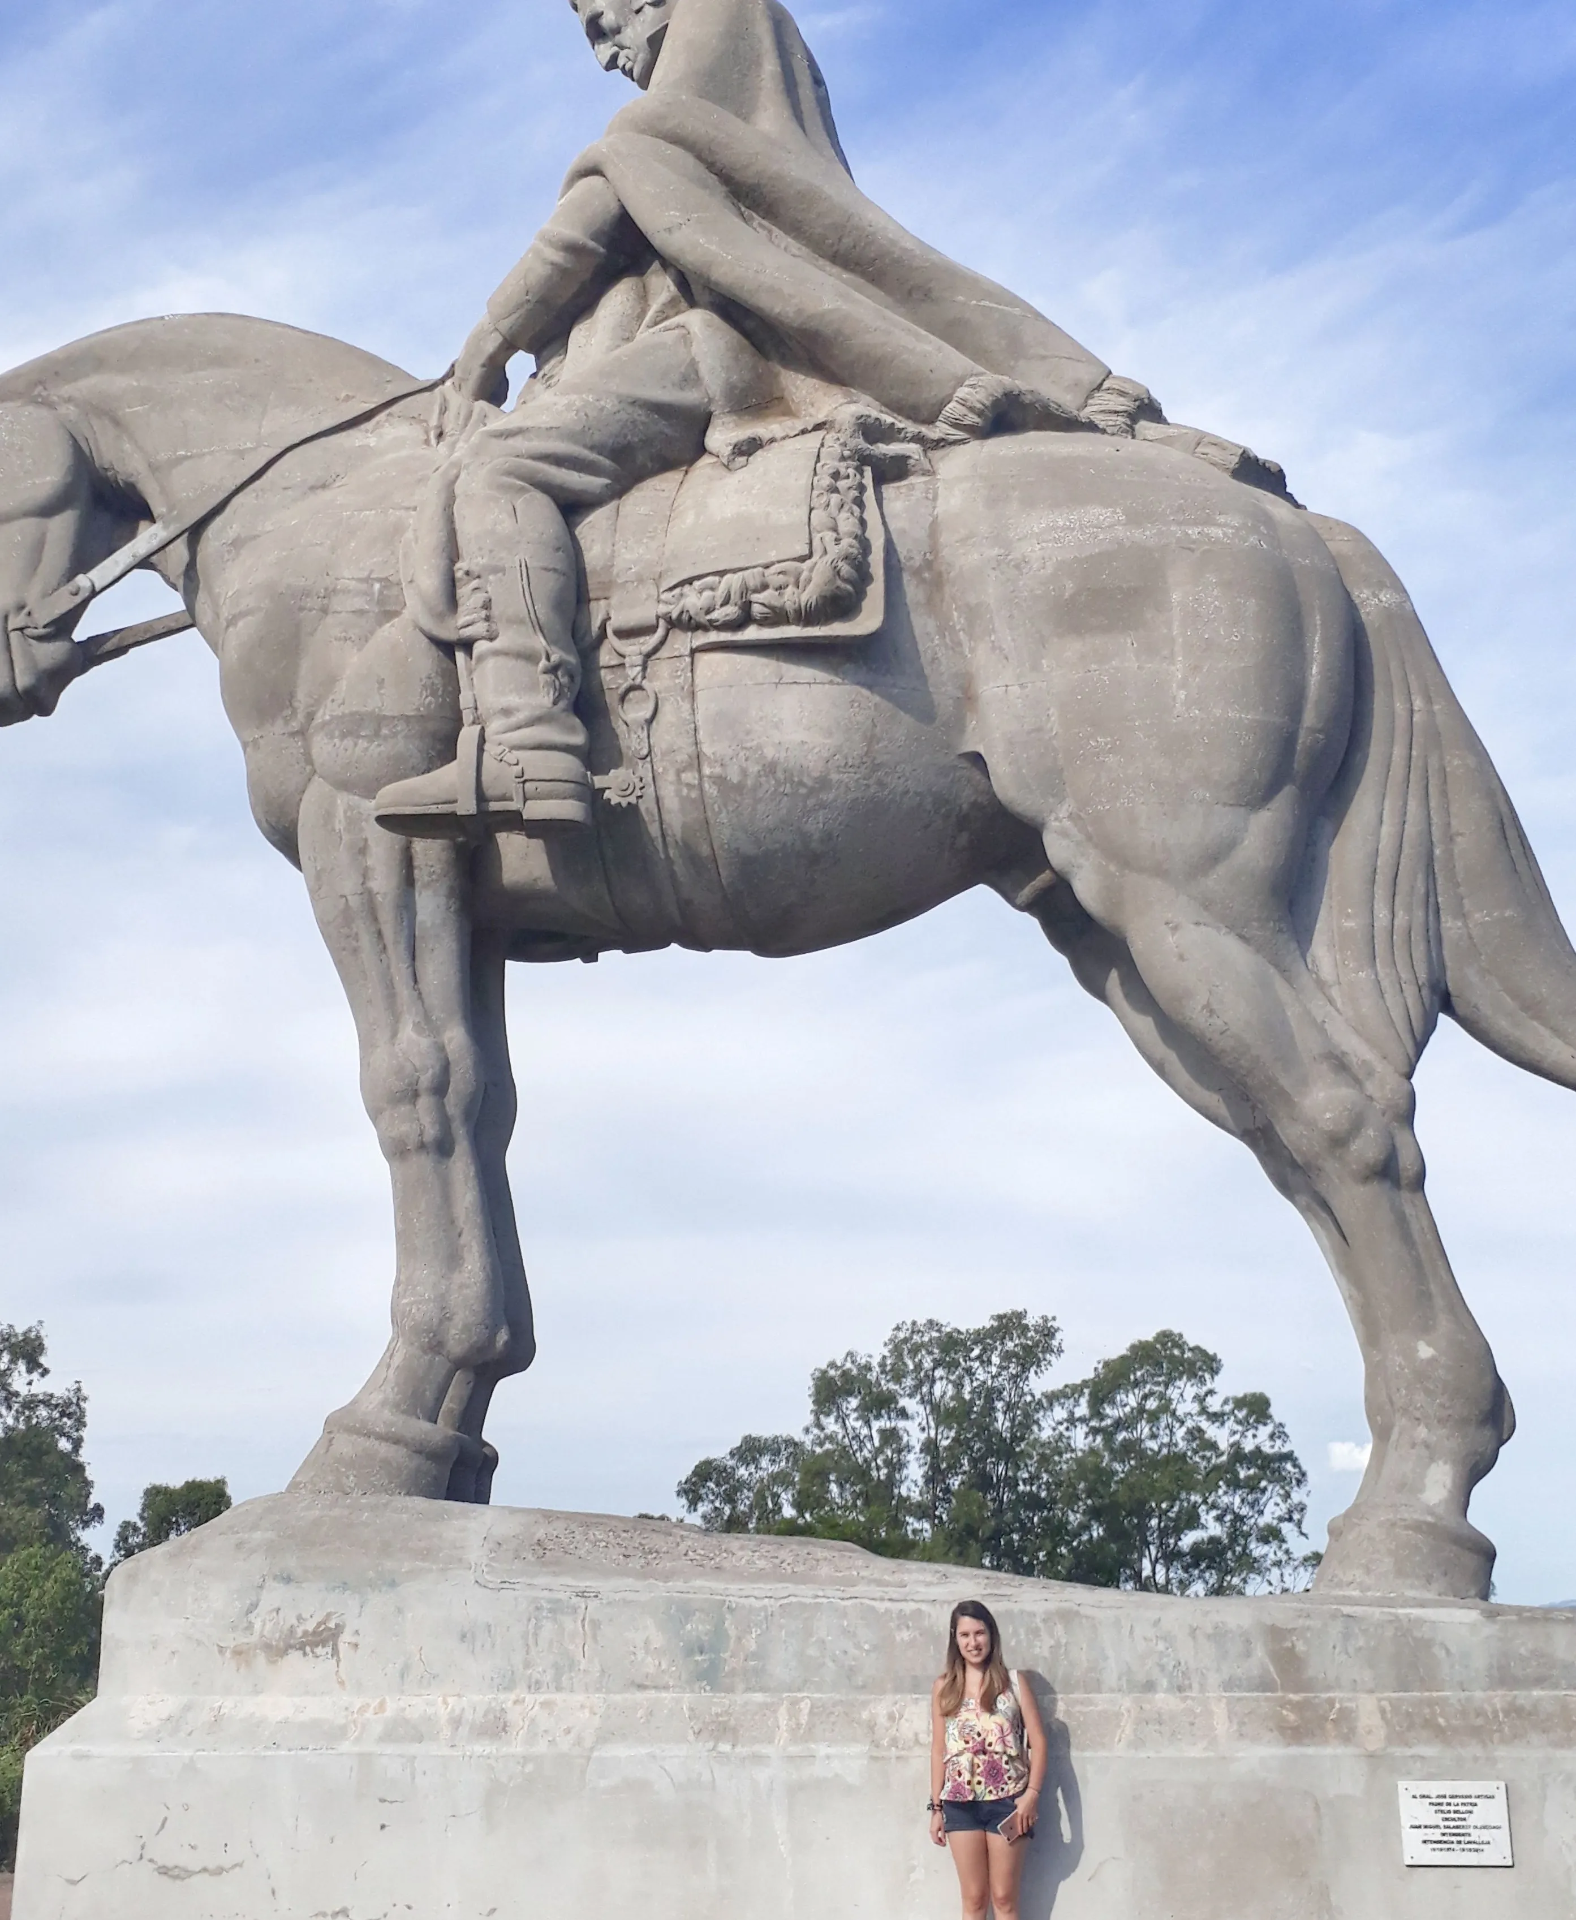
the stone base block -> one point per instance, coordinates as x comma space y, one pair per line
362, 1709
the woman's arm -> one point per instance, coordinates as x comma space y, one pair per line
1034, 1738
938, 1766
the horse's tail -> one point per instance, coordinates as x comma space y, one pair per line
1428, 899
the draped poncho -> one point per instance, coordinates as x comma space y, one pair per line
729, 169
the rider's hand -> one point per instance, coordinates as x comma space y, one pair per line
481, 372
34, 672
480, 375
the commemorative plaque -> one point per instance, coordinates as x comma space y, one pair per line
1455, 1823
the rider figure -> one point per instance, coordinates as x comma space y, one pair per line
710, 261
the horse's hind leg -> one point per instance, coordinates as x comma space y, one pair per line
1240, 1027
428, 1004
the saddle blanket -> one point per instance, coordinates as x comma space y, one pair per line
788, 547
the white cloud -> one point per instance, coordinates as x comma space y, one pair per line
1350, 1456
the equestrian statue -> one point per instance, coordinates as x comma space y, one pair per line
811, 581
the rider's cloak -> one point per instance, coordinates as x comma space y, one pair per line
731, 169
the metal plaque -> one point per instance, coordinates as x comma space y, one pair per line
1455, 1823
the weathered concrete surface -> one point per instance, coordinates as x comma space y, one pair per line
378, 1707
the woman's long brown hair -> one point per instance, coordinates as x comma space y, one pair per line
955, 1679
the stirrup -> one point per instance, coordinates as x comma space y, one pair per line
549, 785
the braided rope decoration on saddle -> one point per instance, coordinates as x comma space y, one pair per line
828, 586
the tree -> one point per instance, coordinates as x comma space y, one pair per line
1167, 1488
49, 1575
49, 1637
50, 1578
46, 1497
167, 1512
978, 1411
950, 1446
934, 1447
750, 1490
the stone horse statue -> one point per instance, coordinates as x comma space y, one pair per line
1196, 732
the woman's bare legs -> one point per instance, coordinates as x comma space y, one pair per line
1005, 1860
972, 1861
990, 1870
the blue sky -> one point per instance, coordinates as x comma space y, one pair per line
1341, 232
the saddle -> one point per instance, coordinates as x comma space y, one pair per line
786, 547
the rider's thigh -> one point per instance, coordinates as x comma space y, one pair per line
640, 410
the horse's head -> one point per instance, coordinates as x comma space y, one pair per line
53, 525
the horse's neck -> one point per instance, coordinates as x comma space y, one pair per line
169, 409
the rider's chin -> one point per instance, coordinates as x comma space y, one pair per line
645, 61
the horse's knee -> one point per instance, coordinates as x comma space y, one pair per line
1361, 1127
1345, 1130
422, 1089
467, 1074
404, 1086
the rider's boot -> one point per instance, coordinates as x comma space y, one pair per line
516, 592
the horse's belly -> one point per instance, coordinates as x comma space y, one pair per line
836, 807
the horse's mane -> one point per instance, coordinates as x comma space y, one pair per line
207, 346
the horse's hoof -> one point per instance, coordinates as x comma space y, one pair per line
387, 1453
1379, 1553
471, 1478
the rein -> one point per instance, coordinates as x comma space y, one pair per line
78, 592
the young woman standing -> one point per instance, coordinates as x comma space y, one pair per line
987, 1762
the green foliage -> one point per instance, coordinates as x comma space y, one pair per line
50, 1579
49, 1630
750, 1490
933, 1448
49, 1625
168, 1512
949, 1445
46, 1497
1170, 1489
49, 1576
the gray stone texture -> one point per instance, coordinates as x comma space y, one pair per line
367, 1708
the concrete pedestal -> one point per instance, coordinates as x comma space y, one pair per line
365, 1709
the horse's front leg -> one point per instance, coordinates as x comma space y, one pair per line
427, 999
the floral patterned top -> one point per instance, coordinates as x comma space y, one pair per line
985, 1757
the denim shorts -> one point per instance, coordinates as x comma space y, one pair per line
976, 1816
